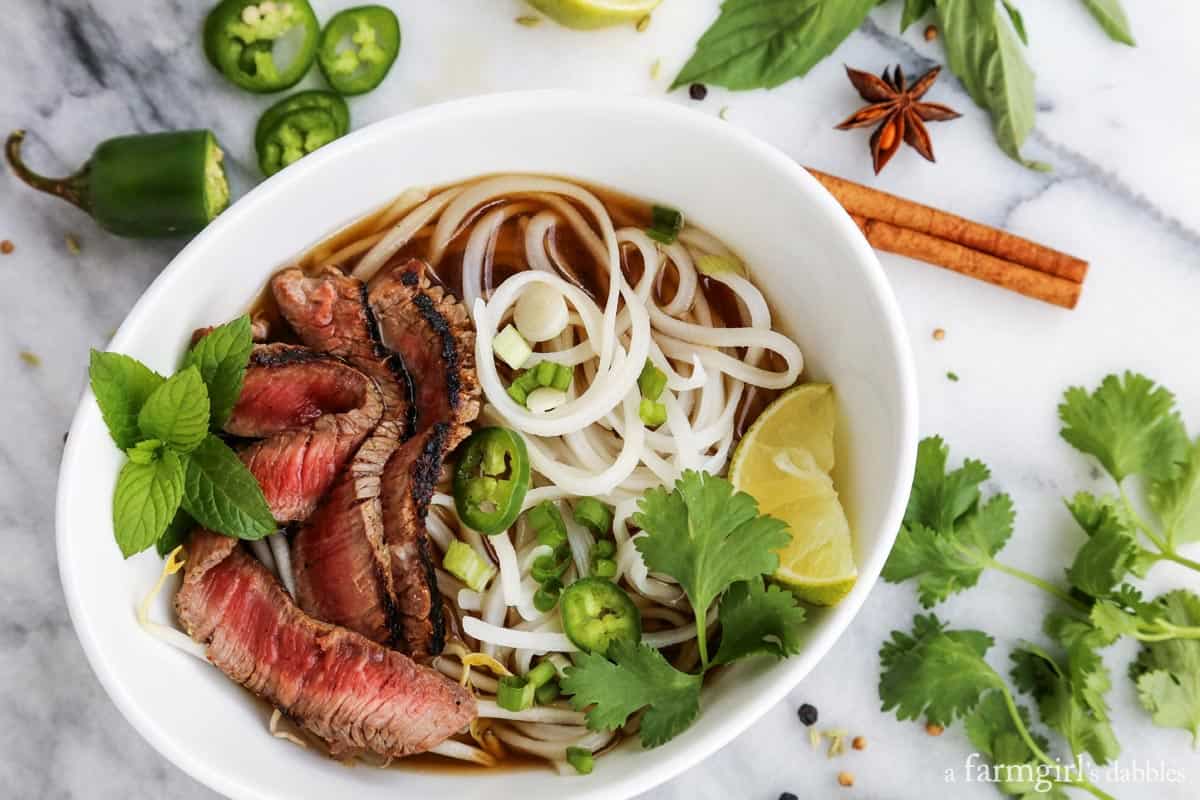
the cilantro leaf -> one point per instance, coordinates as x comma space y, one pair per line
757, 620
1112, 550
1167, 673
1112, 19
177, 412
706, 536
952, 560
1064, 705
638, 676
221, 494
940, 498
121, 385
759, 44
1129, 424
221, 356
1177, 501
146, 498
994, 732
932, 671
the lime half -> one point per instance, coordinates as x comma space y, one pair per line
784, 462
588, 14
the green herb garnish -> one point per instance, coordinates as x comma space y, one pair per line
714, 542
163, 425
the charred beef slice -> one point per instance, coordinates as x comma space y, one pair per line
354, 694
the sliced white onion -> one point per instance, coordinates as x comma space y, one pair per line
554, 715
369, 264
545, 399
469, 600
283, 560
540, 313
461, 751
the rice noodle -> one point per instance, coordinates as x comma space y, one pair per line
464, 752
404, 230
555, 715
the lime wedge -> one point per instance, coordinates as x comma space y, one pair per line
588, 14
784, 462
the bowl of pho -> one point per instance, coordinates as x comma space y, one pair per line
522, 446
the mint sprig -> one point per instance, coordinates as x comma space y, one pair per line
175, 464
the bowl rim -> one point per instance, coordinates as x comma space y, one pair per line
789, 672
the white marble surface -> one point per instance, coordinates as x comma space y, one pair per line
1119, 125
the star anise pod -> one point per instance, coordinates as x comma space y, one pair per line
899, 110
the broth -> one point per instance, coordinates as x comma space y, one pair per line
507, 258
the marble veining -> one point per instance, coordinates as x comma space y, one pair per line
1114, 122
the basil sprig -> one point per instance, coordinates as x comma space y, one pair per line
760, 44
178, 473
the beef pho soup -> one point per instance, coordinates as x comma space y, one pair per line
458, 410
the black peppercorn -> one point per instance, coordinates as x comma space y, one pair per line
808, 714
698, 91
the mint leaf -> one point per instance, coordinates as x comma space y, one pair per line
121, 385
757, 44
177, 412
982, 51
175, 534
913, 11
939, 498
757, 620
221, 356
146, 497
939, 673
1112, 18
1129, 424
952, 560
1177, 501
638, 676
145, 451
1111, 552
1062, 703
1168, 672
222, 495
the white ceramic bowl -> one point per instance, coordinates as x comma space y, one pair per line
822, 279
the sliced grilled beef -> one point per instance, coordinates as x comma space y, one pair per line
355, 695
314, 410
339, 558
408, 483
330, 313
432, 333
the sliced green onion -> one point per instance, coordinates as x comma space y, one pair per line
542, 674
563, 375
604, 568
665, 224
547, 524
710, 264
605, 548
544, 373
652, 381
546, 597
517, 393
581, 759
511, 347
546, 567
591, 512
527, 380
464, 563
547, 693
651, 413
515, 693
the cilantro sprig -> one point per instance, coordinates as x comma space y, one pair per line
944, 675
951, 534
179, 473
713, 541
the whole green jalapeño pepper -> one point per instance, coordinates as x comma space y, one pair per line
155, 184
358, 47
491, 480
262, 46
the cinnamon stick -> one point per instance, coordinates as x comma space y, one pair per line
953, 256
906, 214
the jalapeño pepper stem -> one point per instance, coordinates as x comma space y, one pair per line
69, 188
